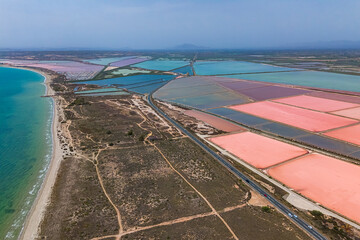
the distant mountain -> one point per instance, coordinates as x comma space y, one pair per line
341, 44
65, 49
189, 46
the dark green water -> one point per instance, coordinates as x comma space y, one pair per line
25, 145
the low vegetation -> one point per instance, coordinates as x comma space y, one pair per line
266, 209
150, 175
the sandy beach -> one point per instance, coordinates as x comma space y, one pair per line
35, 216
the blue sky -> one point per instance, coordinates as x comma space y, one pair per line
162, 24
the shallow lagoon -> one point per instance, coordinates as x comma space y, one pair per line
161, 65
97, 90
137, 83
106, 94
213, 100
230, 67
106, 61
222, 111
124, 81
172, 93
328, 143
126, 72
184, 70
146, 88
282, 130
247, 119
308, 78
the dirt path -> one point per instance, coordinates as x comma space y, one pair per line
94, 161
178, 173
171, 222
106, 194
166, 223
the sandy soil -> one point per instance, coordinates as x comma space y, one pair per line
110, 68
36, 213
257, 199
214, 121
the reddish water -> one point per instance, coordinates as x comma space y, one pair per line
329, 181
259, 151
298, 117
315, 103
349, 134
351, 113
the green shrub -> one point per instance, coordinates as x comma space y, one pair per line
266, 209
78, 101
316, 213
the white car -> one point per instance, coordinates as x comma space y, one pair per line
290, 215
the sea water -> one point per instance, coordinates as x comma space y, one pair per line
25, 145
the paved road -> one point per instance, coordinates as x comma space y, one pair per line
230, 167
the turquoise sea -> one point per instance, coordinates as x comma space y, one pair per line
25, 145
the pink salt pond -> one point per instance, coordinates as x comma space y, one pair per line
259, 151
351, 113
294, 116
348, 134
216, 122
333, 183
315, 103
336, 96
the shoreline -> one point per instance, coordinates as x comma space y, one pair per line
36, 213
